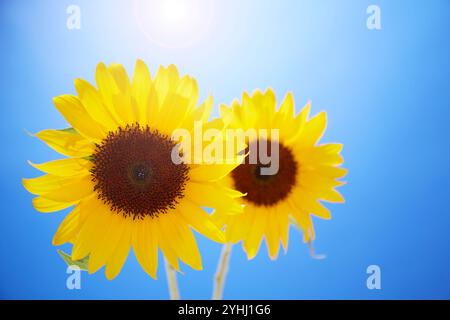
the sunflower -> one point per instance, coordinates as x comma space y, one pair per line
118, 176
307, 173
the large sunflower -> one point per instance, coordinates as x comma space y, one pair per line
118, 174
307, 174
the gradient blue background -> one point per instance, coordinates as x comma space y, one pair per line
387, 97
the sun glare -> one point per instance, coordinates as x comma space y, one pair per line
174, 11
174, 23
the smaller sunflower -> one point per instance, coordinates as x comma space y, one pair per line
308, 174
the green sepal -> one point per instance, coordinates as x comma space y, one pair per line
82, 264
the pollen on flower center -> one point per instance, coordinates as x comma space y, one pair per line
266, 190
134, 174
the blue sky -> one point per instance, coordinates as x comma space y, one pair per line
387, 98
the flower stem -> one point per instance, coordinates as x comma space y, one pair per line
172, 281
222, 271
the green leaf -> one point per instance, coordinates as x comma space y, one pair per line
82, 264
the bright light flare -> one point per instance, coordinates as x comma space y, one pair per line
174, 23
174, 11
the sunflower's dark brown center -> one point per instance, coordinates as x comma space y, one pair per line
134, 174
263, 189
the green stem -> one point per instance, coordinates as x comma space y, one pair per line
172, 281
222, 271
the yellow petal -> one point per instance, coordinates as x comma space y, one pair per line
312, 179
248, 115
89, 229
200, 221
168, 252
310, 205
120, 76
326, 154
218, 197
92, 102
68, 228
332, 196
328, 171
304, 221
239, 225
125, 108
211, 172
264, 104
172, 113
107, 89
253, 241
45, 205
180, 241
313, 130
140, 89
106, 241
67, 143
170, 235
64, 167
122, 102
48, 183
284, 120
75, 190
76, 115
297, 125
145, 246
173, 76
272, 235
166, 80
225, 113
153, 107
203, 112
116, 261
287, 107
190, 253
303, 115
281, 212
188, 89
178, 106
220, 218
